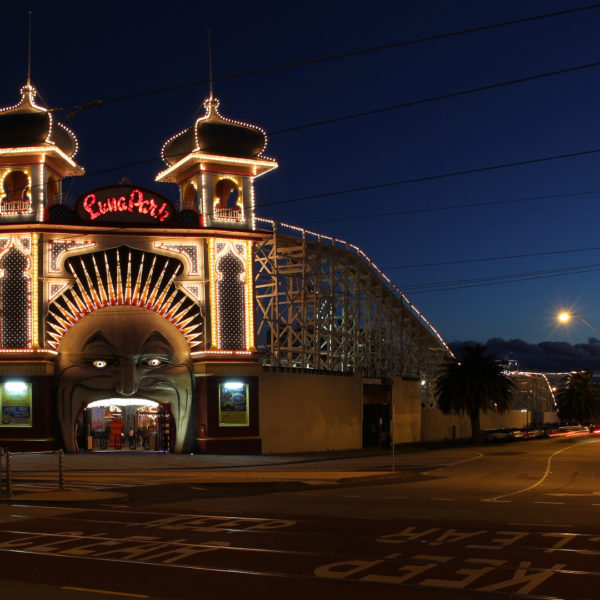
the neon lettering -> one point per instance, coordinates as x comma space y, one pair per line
136, 203
88, 203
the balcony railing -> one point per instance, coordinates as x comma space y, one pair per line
15, 207
228, 214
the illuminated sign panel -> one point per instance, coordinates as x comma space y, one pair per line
124, 204
15, 401
233, 404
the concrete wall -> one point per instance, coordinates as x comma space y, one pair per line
302, 412
435, 426
406, 415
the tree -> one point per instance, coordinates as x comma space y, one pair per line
473, 383
580, 399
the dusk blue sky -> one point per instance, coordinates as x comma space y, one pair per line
84, 51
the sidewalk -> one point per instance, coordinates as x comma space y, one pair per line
88, 475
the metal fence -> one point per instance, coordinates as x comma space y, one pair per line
7, 469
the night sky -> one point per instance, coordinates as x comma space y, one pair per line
438, 253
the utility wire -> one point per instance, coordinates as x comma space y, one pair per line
500, 279
433, 177
436, 98
380, 110
309, 61
413, 211
491, 258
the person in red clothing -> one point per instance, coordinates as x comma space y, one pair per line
116, 429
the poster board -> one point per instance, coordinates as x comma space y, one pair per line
15, 404
233, 404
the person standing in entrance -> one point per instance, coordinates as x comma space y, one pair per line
116, 433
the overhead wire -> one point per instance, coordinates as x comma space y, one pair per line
413, 211
441, 36
491, 258
448, 174
382, 109
458, 284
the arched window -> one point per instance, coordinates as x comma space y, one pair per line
15, 194
228, 200
16, 186
189, 197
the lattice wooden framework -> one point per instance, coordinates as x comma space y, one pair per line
321, 304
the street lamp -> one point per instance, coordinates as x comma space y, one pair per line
563, 317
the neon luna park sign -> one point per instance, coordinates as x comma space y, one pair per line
124, 204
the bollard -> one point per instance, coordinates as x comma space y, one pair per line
61, 475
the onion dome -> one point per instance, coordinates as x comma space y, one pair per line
216, 135
27, 124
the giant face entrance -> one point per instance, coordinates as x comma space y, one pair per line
119, 354
125, 424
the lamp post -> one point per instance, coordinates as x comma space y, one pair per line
563, 317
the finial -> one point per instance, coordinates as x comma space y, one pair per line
29, 53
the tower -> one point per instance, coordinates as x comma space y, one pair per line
36, 154
214, 163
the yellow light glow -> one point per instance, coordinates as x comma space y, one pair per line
563, 317
35, 332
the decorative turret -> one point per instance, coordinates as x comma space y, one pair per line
36, 153
214, 163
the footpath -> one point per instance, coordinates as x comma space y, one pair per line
105, 475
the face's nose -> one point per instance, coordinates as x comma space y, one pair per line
127, 383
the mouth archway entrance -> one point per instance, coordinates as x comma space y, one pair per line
130, 424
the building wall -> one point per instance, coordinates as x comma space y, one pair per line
435, 426
406, 415
302, 412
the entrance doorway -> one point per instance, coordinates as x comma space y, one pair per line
131, 424
377, 416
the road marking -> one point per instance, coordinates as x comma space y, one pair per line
443, 499
533, 485
458, 462
348, 496
395, 497
540, 502
107, 592
565, 494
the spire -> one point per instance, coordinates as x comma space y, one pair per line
29, 53
210, 69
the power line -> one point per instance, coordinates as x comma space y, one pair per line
500, 279
433, 177
436, 98
412, 211
491, 258
365, 113
309, 61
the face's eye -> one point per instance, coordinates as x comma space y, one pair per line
154, 362
100, 364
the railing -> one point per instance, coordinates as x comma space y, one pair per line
8, 456
227, 214
16, 207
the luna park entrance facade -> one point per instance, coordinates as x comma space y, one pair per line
118, 424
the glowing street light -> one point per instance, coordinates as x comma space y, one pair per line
564, 317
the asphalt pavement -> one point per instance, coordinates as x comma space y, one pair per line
92, 475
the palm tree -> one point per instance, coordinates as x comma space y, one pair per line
580, 399
473, 383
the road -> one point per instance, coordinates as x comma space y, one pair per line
511, 521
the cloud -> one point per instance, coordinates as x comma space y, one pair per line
544, 356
